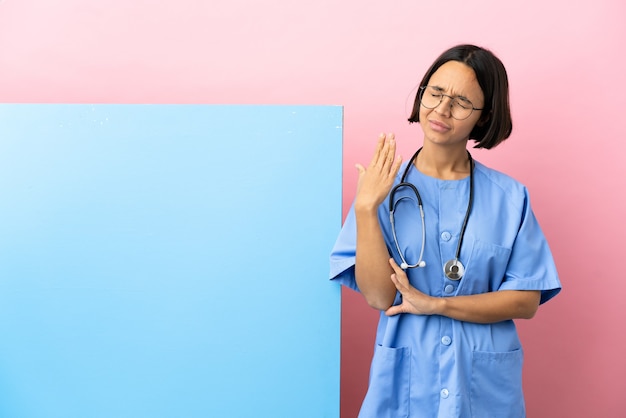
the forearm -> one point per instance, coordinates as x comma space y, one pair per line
372, 270
489, 307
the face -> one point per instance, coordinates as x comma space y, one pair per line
457, 80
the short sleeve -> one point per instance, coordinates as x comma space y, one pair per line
531, 265
342, 257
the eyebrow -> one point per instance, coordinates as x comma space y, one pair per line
438, 88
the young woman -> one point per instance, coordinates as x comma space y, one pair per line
449, 251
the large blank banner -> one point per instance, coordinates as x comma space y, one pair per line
169, 261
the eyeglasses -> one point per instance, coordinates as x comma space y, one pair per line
460, 107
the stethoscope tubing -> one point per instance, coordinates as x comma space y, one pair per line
454, 268
420, 262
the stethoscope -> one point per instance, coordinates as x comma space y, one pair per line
453, 269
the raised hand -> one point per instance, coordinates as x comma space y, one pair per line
375, 181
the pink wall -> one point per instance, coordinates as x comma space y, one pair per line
566, 66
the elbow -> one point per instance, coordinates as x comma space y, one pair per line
378, 306
528, 313
379, 302
529, 306
379, 295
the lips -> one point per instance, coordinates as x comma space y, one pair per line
438, 126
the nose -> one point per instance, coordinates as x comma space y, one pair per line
445, 105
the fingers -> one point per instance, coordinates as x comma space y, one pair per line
394, 310
384, 160
379, 149
375, 180
394, 265
385, 153
401, 285
396, 282
360, 169
397, 269
399, 277
391, 150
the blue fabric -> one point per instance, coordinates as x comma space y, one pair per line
433, 366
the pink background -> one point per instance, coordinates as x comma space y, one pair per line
566, 67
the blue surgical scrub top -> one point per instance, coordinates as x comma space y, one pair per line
434, 366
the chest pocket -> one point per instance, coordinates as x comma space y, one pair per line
485, 268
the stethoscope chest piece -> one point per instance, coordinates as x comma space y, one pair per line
454, 269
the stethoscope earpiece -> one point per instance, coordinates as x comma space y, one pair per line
405, 265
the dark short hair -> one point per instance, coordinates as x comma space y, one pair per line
495, 124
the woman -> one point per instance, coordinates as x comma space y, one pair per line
446, 344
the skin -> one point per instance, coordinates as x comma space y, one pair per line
443, 156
